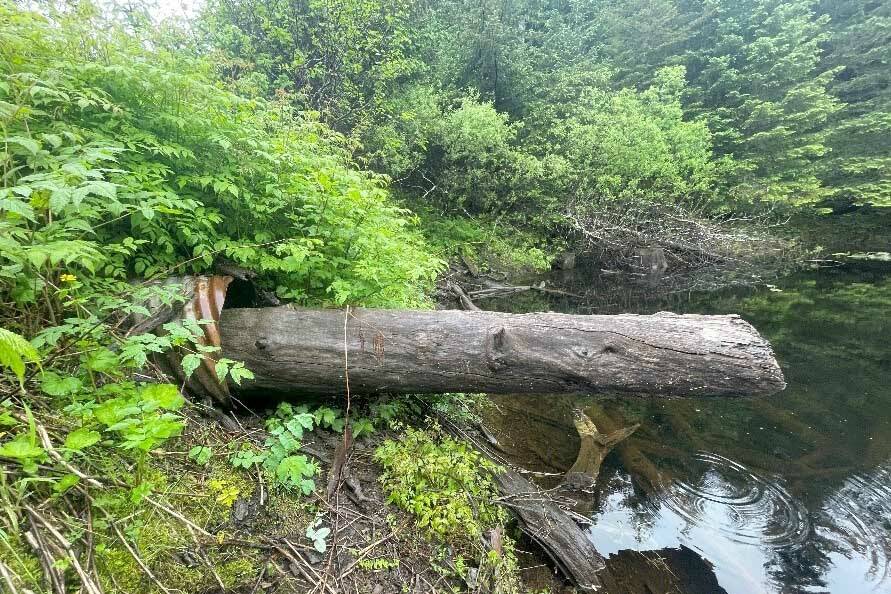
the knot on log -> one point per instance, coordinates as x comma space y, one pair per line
499, 347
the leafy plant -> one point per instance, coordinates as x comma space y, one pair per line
317, 534
14, 352
379, 564
23, 448
279, 457
443, 482
200, 454
449, 488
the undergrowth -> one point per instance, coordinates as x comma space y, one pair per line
122, 162
487, 243
450, 490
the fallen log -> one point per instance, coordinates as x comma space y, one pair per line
555, 532
297, 350
541, 517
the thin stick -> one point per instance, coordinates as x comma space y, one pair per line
180, 517
299, 565
6, 573
84, 578
145, 569
260, 577
346, 364
42, 550
55, 455
367, 550
210, 566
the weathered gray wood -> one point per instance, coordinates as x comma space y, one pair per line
292, 350
542, 519
558, 535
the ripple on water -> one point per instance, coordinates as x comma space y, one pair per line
857, 517
738, 503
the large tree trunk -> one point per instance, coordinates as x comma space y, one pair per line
292, 350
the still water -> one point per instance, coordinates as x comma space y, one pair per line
789, 494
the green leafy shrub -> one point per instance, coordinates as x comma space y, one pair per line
639, 145
443, 482
139, 163
449, 489
280, 457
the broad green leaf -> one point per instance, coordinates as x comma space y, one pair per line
14, 351
21, 448
200, 455
29, 144
190, 363
65, 483
59, 385
165, 396
81, 438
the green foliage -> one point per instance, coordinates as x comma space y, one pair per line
288, 46
278, 457
488, 243
446, 484
139, 416
143, 155
14, 352
24, 450
858, 48
449, 488
638, 146
379, 564
201, 455
521, 107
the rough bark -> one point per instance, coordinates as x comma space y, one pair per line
292, 350
558, 535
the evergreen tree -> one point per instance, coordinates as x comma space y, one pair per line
757, 81
859, 50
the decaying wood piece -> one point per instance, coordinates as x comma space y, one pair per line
594, 446
643, 472
553, 530
541, 518
292, 350
466, 302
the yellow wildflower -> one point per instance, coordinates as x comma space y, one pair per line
67, 278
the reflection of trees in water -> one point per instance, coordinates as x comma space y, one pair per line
799, 570
853, 521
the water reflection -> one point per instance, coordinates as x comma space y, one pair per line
786, 495
737, 502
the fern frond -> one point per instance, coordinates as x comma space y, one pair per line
14, 351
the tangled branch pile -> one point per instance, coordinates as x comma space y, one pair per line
733, 247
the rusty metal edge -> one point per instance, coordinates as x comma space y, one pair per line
206, 305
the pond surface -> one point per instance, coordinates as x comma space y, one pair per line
786, 494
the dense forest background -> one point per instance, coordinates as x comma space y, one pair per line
547, 112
